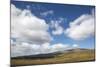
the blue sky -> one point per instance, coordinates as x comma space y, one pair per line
60, 12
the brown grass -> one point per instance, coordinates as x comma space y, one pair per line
62, 58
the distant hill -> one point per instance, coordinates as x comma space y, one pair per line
67, 56
50, 55
39, 56
78, 50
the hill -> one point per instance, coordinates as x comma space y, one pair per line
67, 56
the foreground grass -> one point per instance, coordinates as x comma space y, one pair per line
62, 58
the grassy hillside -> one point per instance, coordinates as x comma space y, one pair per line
75, 55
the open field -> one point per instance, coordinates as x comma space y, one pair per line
65, 57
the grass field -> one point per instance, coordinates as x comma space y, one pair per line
66, 57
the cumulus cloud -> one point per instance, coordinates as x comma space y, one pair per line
58, 30
30, 36
82, 27
59, 47
75, 46
26, 27
22, 49
33, 49
50, 12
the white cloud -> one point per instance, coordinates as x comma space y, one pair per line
82, 27
50, 12
23, 49
31, 34
26, 27
59, 47
33, 49
75, 45
58, 30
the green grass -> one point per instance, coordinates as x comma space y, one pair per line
77, 56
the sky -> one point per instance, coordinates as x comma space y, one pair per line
38, 28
